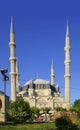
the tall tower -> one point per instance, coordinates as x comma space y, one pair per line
67, 62
17, 77
52, 74
12, 59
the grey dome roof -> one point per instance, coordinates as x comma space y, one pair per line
37, 81
40, 81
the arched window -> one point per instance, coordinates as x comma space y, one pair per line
0, 104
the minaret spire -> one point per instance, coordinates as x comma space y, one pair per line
67, 68
12, 37
52, 63
52, 74
12, 25
67, 30
12, 59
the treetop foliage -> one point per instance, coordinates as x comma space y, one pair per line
20, 110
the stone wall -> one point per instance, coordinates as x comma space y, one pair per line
2, 113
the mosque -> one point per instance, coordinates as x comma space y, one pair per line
39, 92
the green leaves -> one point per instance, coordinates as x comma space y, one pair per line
64, 123
76, 107
20, 110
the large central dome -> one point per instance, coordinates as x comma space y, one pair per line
40, 81
37, 81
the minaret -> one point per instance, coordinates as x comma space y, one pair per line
67, 62
17, 77
52, 74
12, 59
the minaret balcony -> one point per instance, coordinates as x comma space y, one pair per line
67, 61
12, 44
13, 73
67, 48
12, 58
67, 75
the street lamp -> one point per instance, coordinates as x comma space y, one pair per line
5, 78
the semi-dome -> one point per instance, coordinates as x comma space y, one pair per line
28, 82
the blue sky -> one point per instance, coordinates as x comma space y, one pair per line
40, 28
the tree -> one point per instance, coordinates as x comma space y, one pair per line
76, 106
20, 111
64, 123
60, 109
46, 109
34, 112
